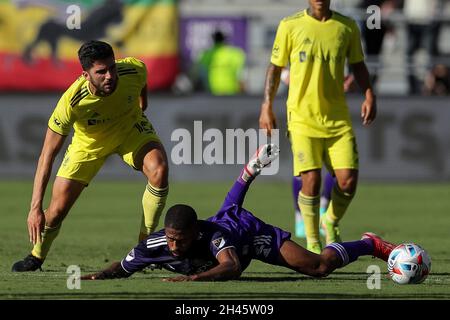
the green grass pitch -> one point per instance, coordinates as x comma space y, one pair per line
103, 226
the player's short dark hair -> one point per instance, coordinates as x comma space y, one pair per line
92, 51
180, 217
218, 37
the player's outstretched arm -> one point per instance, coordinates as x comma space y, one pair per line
52, 145
267, 119
369, 106
114, 271
229, 268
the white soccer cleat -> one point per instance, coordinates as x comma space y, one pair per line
262, 158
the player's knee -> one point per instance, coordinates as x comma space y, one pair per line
348, 185
311, 183
55, 215
157, 172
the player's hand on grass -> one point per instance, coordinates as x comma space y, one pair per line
368, 110
93, 276
36, 223
267, 120
179, 279
114, 271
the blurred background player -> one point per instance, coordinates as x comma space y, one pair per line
105, 107
218, 69
317, 42
437, 81
373, 38
423, 27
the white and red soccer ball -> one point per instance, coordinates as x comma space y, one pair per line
408, 263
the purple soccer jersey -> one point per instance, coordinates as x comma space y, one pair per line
154, 251
254, 239
232, 226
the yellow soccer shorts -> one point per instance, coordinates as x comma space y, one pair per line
310, 153
82, 166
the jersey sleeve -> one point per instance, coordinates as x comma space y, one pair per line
147, 252
62, 118
355, 52
140, 67
281, 46
219, 242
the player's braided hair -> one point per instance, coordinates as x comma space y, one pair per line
92, 51
180, 217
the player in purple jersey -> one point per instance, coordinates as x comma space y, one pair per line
222, 247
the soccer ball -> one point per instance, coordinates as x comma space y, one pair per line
408, 263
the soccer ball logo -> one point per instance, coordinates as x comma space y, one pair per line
409, 263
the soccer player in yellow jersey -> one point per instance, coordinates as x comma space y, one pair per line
317, 42
105, 106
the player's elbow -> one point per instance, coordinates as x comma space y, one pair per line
322, 272
237, 271
234, 270
320, 269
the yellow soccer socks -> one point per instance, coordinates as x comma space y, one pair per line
41, 249
338, 206
153, 202
310, 207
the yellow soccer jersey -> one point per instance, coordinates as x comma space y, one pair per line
316, 52
101, 123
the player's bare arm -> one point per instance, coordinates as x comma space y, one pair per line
267, 119
229, 268
369, 106
143, 99
36, 219
114, 271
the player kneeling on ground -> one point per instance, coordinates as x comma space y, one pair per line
222, 246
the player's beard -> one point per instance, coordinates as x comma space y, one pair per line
105, 88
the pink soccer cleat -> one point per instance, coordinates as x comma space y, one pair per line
381, 248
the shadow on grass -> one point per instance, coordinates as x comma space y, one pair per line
223, 295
